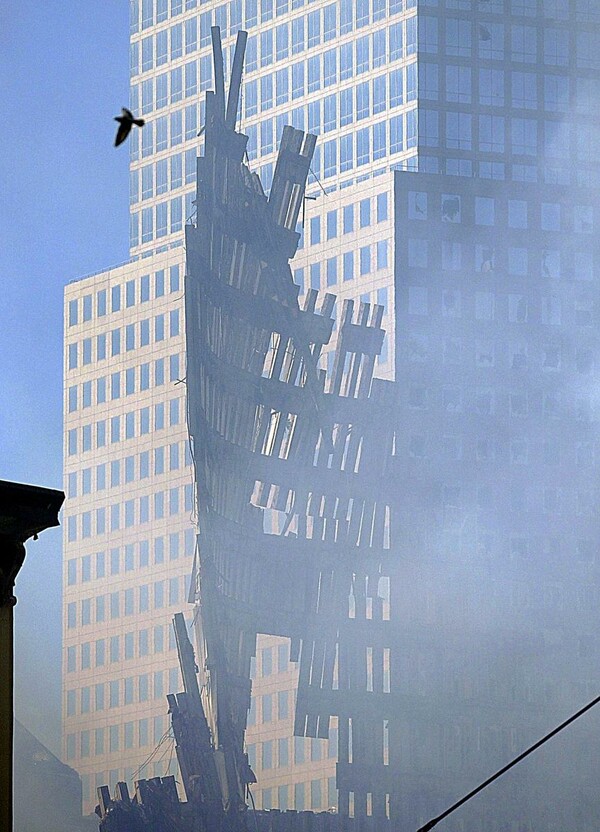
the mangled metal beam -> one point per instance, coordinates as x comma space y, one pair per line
282, 453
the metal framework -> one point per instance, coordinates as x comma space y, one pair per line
292, 467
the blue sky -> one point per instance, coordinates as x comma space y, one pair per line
63, 214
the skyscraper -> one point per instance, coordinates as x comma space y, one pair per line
483, 89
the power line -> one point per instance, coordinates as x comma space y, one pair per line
430, 824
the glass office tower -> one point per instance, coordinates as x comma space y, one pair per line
487, 89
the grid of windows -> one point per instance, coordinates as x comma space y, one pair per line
296, 54
123, 295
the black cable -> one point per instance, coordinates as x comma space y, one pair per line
430, 824
251, 796
318, 180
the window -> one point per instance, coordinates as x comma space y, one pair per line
364, 213
115, 386
524, 41
72, 485
143, 690
331, 224
72, 396
587, 48
267, 711
85, 700
297, 80
491, 87
87, 308
173, 501
428, 83
382, 254
417, 300
100, 520
174, 412
524, 136
484, 210
363, 48
458, 131
556, 47
584, 265
550, 216
348, 265
315, 792
365, 260
458, 37
315, 230
346, 155
428, 34
348, 218
86, 438
145, 376
331, 271
144, 332
362, 100
115, 342
144, 422
299, 751
524, 90
329, 68
451, 255
556, 93
395, 41
491, 134
517, 213
458, 84
315, 276
517, 309
266, 48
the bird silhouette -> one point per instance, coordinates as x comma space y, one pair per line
126, 121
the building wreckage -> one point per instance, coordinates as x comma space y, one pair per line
292, 471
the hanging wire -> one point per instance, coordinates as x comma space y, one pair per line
171, 752
152, 753
166, 751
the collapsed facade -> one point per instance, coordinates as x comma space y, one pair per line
291, 467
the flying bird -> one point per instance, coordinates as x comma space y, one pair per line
126, 121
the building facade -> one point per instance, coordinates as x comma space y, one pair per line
129, 536
488, 91
496, 364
